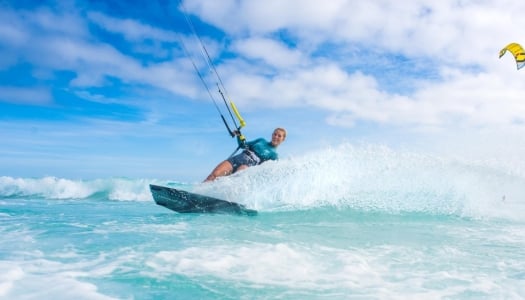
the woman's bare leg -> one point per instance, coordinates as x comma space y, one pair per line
222, 169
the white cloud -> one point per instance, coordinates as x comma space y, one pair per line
272, 52
25, 95
132, 30
53, 48
460, 40
305, 72
420, 27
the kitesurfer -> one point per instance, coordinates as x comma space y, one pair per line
254, 153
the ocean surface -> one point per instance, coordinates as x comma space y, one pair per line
342, 223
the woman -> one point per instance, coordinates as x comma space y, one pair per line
255, 153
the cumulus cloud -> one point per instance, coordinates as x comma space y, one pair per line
336, 57
132, 30
25, 95
459, 40
272, 52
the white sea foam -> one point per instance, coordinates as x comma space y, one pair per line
10, 274
393, 272
60, 188
130, 190
169, 229
47, 187
379, 179
40, 279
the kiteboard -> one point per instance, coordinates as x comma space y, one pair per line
186, 202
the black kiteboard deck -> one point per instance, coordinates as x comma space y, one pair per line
186, 202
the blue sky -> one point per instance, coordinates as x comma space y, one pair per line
92, 89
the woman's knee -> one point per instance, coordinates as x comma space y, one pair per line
224, 168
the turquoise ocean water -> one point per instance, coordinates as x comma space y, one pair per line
342, 223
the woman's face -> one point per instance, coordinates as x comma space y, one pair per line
277, 137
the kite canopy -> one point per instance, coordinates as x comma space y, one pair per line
517, 51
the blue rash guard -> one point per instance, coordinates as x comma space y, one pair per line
255, 152
263, 149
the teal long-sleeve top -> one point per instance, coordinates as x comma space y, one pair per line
261, 147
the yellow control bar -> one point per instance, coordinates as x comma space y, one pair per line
241, 120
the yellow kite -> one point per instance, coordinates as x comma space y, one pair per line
517, 51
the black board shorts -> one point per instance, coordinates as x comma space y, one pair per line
247, 158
